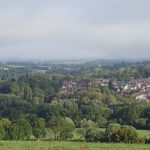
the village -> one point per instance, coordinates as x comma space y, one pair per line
138, 88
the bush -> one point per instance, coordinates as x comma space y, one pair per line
126, 135
111, 128
94, 135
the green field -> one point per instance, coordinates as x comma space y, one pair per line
35, 145
143, 133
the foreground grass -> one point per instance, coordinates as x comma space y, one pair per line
34, 145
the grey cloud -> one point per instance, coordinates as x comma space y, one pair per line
74, 29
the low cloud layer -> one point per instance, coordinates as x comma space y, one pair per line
66, 29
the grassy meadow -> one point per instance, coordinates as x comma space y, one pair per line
143, 133
41, 145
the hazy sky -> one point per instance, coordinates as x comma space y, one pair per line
74, 29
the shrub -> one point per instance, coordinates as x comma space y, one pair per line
111, 128
126, 135
94, 135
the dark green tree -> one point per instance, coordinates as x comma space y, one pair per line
2, 132
20, 130
27, 93
38, 127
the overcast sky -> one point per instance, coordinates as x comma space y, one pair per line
74, 29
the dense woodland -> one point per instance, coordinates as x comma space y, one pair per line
32, 106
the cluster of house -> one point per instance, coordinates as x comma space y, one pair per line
72, 86
140, 88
